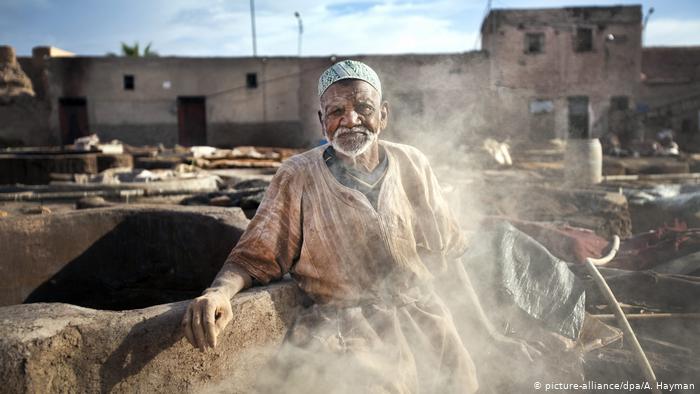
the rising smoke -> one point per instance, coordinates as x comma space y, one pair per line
348, 351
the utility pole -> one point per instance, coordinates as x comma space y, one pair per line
644, 24
486, 13
252, 24
301, 31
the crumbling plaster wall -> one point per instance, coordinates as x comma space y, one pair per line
63, 348
24, 122
670, 73
440, 95
23, 116
447, 90
148, 113
426, 91
671, 93
307, 95
57, 347
436, 97
610, 69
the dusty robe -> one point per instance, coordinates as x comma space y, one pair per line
369, 273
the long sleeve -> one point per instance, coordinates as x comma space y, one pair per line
272, 242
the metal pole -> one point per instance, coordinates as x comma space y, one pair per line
642, 360
644, 24
252, 24
301, 31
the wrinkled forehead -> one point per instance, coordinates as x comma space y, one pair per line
350, 90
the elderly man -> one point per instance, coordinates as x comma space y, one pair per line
362, 227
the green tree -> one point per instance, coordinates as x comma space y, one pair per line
135, 50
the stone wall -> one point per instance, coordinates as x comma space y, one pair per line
435, 101
670, 94
115, 260
427, 92
23, 117
559, 69
148, 114
63, 348
115, 257
24, 122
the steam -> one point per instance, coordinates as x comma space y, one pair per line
439, 133
441, 123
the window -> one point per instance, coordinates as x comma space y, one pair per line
251, 80
129, 82
534, 42
620, 103
584, 39
540, 106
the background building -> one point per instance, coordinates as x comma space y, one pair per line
541, 74
565, 72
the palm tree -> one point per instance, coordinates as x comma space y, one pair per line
148, 52
130, 51
134, 50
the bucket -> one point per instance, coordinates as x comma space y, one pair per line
583, 161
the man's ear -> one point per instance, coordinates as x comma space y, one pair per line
384, 114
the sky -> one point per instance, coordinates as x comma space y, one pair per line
340, 27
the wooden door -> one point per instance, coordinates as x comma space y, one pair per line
73, 118
192, 121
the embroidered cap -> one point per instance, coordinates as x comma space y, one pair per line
348, 69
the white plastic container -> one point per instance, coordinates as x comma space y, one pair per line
583, 161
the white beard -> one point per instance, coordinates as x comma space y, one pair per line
352, 142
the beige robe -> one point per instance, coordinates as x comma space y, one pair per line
369, 272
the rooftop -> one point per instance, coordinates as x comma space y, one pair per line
565, 16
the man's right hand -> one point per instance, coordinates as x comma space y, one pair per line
205, 318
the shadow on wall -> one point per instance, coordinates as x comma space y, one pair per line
144, 342
146, 259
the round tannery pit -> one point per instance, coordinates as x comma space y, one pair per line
115, 258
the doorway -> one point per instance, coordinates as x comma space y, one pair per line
192, 121
578, 117
73, 119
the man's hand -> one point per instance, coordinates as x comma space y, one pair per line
205, 318
208, 315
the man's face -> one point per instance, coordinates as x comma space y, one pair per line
352, 116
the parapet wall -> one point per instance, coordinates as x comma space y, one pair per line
138, 266
115, 258
49, 348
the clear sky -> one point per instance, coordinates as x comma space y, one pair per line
222, 27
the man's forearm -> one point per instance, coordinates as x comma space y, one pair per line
230, 281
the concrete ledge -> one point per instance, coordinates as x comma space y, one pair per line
64, 191
63, 348
36, 169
